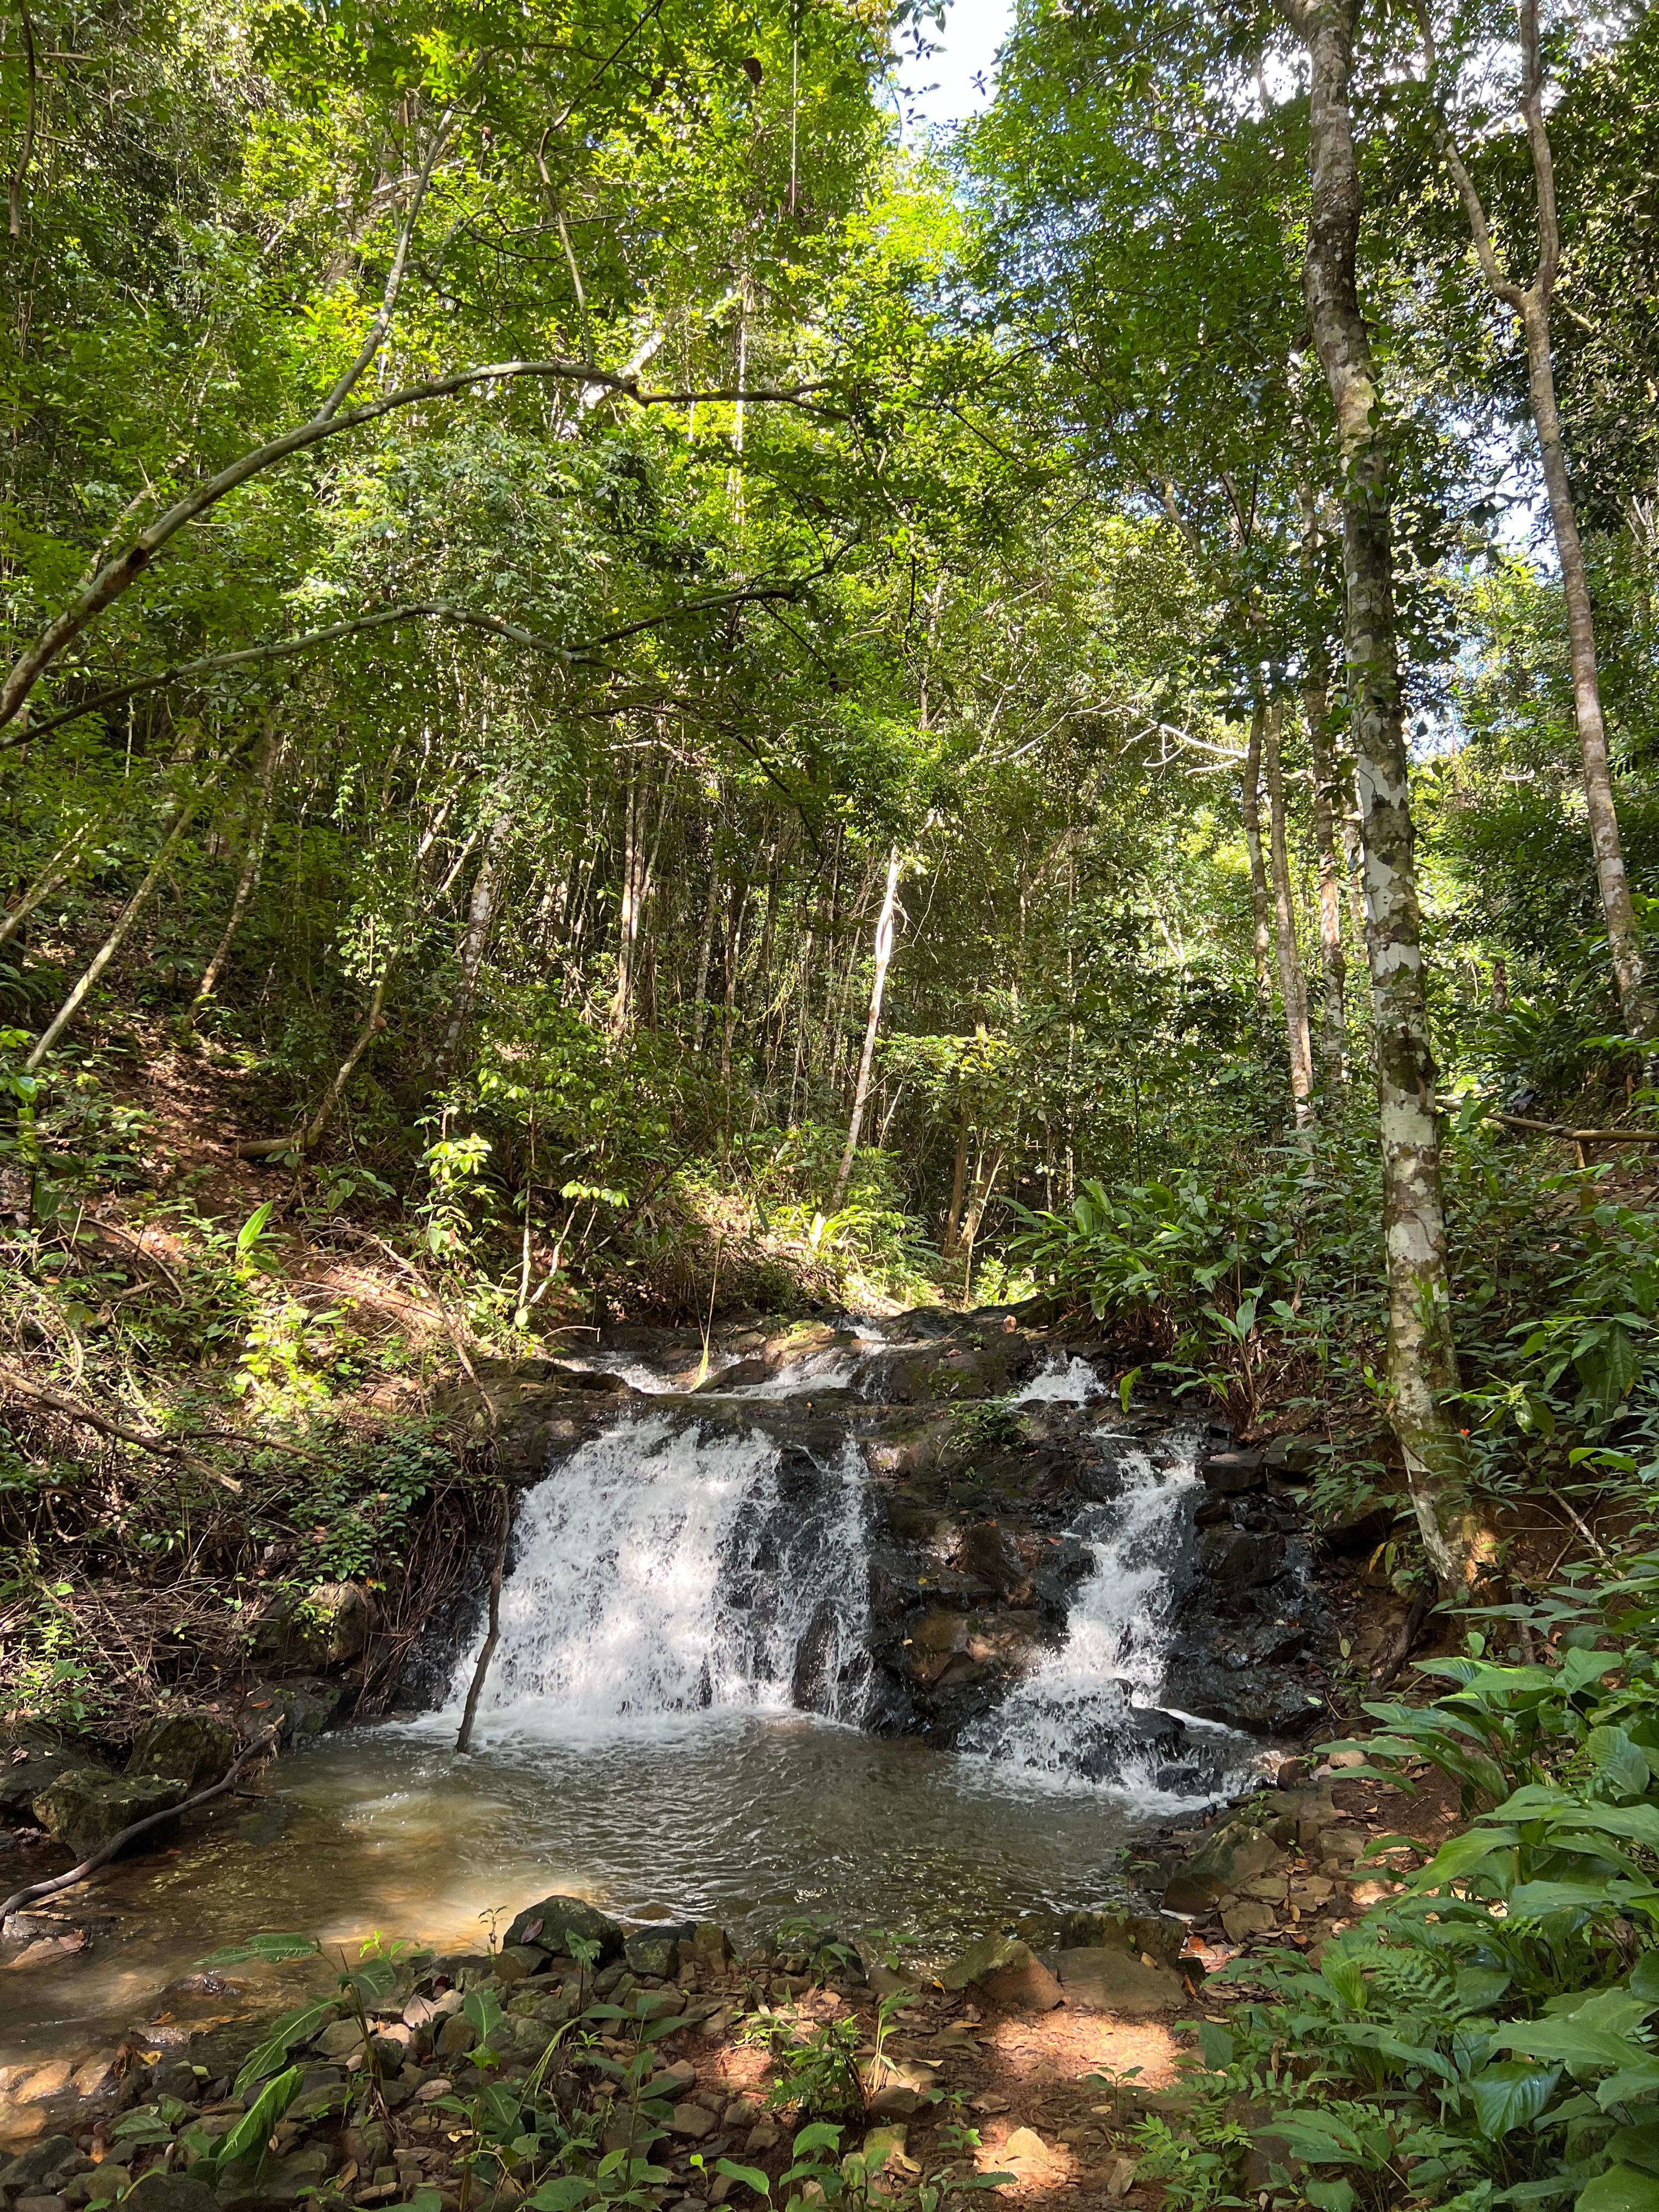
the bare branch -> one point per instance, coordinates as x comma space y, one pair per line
250, 656
376, 335
117, 576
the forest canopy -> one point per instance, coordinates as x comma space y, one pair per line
629, 672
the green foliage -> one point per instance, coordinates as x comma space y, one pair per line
1487, 2033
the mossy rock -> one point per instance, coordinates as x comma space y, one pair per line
85, 1808
195, 1748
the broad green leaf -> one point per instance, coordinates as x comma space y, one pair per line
750, 2176
1511, 2095
1569, 2044
1621, 2189
251, 2131
1578, 1669
293, 2028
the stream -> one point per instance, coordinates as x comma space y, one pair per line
680, 1721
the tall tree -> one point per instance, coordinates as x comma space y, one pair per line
1530, 303
1422, 1357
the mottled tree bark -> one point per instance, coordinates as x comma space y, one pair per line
1326, 791
1422, 1360
885, 929
1530, 306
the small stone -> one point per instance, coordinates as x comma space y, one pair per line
710, 1947
30, 2168
1246, 1919
648, 1951
1024, 2147
456, 2035
674, 2080
1341, 1847
169, 2192
693, 2120
762, 2136
54, 2203
1230, 1855
894, 2100
1267, 1888
339, 2039
518, 1961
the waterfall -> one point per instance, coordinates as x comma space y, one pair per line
1089, 1710
668, 1567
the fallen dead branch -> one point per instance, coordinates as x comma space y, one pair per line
117, 1842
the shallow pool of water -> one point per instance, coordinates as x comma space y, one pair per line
744, 1817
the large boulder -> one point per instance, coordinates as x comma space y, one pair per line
1006, 1971
325, 1628
1107, 1979
549, 1924
31, 1760
85, 1808
1232, 1851
193, 1747
1159, 1935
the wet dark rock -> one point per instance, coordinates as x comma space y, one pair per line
196, 1748
555, 1918
84, 1807
1237, 1558
28, 2171
157, 2192
1231, 1472
31, 1760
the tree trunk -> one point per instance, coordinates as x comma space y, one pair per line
950, 1243
1422, 1361
248, 882
1261, 939
57, 871
1637, 1000
480, 922
885, 923
1292, 984
1326, 792
117, 937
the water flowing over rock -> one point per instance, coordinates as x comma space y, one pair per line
665, 1568
943, 1527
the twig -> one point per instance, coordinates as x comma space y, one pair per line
106, 1852
463, 1740
160, 1447
1582, 1527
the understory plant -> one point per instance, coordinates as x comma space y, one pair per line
1485, 2038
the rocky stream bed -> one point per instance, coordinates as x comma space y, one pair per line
947, 1528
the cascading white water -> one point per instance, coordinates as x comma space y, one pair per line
1071, 1715
665, 1568
1061, 1382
